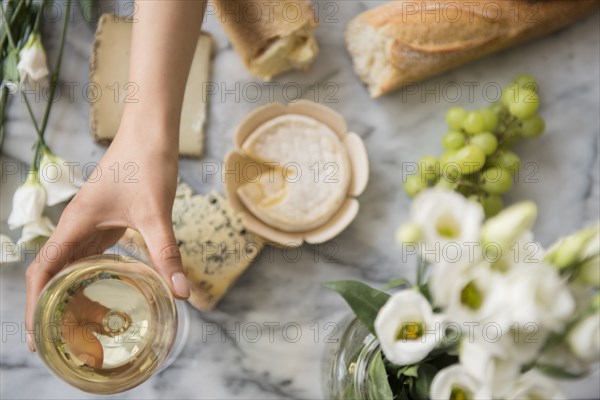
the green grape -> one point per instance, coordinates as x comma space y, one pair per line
526, 81
507, 160
453, 140
525, 105
447, 157
509, 94
474, 123
490, 119
413, 185
496, 180
455, 118
469, 159
497, 108
532, 127
429, 168
492, 205
485, 141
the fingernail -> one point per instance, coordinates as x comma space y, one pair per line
180, 285
30, 344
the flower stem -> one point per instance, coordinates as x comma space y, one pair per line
55, 73
11, 41
13, 19
36, 25
2, 114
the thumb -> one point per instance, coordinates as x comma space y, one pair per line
165, 256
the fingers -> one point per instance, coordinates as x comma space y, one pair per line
165, 256
66, 243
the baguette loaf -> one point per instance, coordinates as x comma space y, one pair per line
404, 41
271, 37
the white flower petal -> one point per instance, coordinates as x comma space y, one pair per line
456, 377
9, 250
534, 385
60, 179
43, 227
450, 224
28, 204
405, 309
32, 64
584, 339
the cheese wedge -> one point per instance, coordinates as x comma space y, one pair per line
109, 69
308, 173
214, 244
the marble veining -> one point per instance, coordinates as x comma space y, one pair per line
281, 293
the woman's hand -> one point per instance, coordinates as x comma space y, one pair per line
162, 48
133, 186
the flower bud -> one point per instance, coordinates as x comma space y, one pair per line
409, 232
509, 225
573, 249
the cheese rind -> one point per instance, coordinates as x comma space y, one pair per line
308, 176
109, 71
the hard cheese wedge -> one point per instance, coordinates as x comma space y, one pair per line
109, 69
215, 247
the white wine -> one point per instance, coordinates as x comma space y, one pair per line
105, 324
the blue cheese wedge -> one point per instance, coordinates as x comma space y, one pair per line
215, 246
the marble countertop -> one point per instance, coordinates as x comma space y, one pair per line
231, 364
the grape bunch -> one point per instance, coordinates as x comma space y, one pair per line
478, 161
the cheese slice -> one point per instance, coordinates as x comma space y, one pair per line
214, 244
308, 173
109, 70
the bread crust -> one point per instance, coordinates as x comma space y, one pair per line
253, 26
425, 38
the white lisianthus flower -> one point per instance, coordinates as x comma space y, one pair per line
477, 295
40, 228
28, 202
509, 225
407, 328
538, 295
9, 251
447, 219
485, 362
534, 385
60, 179
455, 383
584, 339
442, 288
32, 64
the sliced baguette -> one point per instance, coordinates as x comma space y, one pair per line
271, 37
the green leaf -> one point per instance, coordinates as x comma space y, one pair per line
423, 381
363, 299
9, 67
378, 386
558, 373
88, 10
398, 282
413, 371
